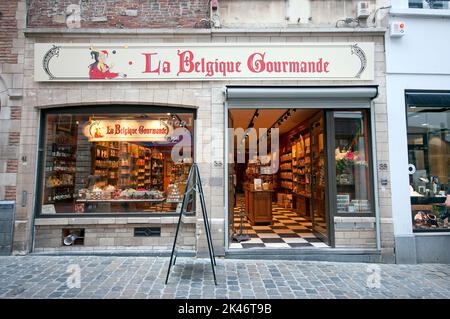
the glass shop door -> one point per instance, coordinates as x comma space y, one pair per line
231, 180
320, 218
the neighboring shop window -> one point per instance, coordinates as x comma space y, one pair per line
353, 188
429, 4
429, 165
115, 163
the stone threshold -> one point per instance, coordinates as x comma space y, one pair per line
308, 254
72, 221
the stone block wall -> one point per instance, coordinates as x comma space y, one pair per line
110, 236
355, 232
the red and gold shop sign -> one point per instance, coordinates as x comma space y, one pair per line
218, 61
127, 130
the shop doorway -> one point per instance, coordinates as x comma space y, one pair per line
324, 171
278, 199
316, 166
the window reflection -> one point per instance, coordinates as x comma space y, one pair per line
352, 167
117, 163
429, 166
429, 4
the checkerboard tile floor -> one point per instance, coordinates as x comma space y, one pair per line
288, 230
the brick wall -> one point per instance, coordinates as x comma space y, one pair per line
12, 166
12, 52
8, 25
10, 193
119, 13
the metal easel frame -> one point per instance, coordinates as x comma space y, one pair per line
197, 187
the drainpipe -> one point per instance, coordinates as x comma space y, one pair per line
375, 178
36, 166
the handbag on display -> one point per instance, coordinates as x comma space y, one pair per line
419, 218
432, 220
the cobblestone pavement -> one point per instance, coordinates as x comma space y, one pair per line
143, 277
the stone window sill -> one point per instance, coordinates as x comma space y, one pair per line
70, 221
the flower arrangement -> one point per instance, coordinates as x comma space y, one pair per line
347, 159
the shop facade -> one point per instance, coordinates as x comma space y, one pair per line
418, 109
103, 215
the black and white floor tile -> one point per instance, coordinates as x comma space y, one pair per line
288, 230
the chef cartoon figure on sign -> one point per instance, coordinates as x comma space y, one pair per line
99, 69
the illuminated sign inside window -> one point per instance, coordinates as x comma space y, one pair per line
128, 130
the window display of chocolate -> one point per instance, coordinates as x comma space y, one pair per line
61, 169
157, 171
429, 166
173, 194
300, 165
87, 171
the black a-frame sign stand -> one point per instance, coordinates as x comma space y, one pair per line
193, 186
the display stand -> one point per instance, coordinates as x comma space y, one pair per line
193, 186
241, 236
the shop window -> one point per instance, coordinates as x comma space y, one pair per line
353, 190
429, 4
115, 163
429, 166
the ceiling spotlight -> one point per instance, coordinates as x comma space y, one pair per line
168, 114
173, 117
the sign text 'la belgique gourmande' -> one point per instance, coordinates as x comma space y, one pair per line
86, 62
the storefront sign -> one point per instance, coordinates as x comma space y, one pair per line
216, 61
127, 130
